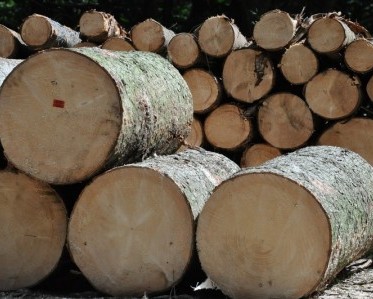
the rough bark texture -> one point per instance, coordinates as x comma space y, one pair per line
339, 181
33, 221
6, 67
98, 26
53, 34
154, 115
154, 202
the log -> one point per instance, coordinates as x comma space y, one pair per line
299, 64
118, 44
40, 32
248, 75
97, 108
218, 36
358, 55
329, 34
183, 50
275, 30
85, 44
227, 128
286, 228
151, 36
333, 94
33, 222
97, 26
285, 121
6, 67
147, 213
356, 134
257, 154
11, 43
369, 88
206, 89
196, 137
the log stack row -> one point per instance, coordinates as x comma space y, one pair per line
131, 127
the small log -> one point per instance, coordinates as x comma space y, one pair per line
97, 26
275, 30
196, 137
33, 222
6, 67
333, 94
183, 50
356, 134
358, 55
11, 43
369, 88
206, 89
248, 75
85, 44
40, 32
146, 213
329, 34
299, 64
287, 228
227, 128
257, 154
97, 108
151, 36
118, 44
285, 121
218, 36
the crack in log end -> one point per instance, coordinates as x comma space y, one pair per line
261, 62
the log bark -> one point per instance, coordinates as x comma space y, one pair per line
275, 30
358, 55
146, 212
6, 67
33, 222
11, 43
97, 26
356, 134
40, 32
248, 75
299, 64
286, 228
227, 128
329, 34
218, 36
118, 44
285, 121
257, 154
196, 137
97, 108
333, 94
183, 50
206, 89
151, 36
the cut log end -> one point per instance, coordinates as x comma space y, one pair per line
196, 137
118, 44
279, 229
33, 224
183, 50
9, 44
151, 232
36, 31
274, 30
248, 75
257, 154
369, 88
227, 128
333, 94
285, 121
359, 56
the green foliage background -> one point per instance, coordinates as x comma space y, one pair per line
179, 15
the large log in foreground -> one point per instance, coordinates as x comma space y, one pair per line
286, 228
132, 229
33, 222
115, 108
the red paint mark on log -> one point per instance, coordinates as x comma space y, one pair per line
58, 103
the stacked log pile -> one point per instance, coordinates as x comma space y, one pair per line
126, 113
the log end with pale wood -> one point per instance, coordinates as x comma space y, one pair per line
285, 121
97, 109
274, 30
10, 42
183, 50
358, 55
131, 231
257, 154
196, 137
33, 222
118, 44
333, 94
287, 228
248, 75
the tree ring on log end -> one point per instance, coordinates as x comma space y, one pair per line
148, 36
8, 45
92, 23
183, 50
276, 243
60, 116
36, 31
359, 55
145, 221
